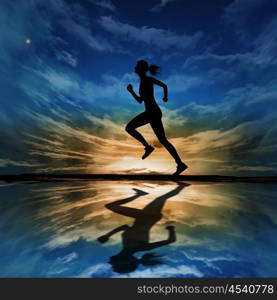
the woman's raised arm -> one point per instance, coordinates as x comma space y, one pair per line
164, 86
131, 91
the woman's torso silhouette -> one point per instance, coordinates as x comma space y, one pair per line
137, 236
146, 92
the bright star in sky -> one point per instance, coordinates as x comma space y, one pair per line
28, 41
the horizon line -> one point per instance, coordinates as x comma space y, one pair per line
113, 176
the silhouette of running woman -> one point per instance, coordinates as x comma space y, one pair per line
135, 238
152, 113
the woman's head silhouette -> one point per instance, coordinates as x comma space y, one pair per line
142, 67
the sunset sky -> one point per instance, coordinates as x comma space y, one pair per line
65, 66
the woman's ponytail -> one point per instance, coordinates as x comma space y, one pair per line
154, 70
150, 259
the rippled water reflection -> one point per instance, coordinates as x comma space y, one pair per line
222, 229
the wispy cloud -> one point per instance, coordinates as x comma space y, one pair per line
67, 58
8, 162
107, 4
85, 35
150, 35
242, 14
94, 270
160, 5
165, 272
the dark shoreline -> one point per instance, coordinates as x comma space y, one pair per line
155, 177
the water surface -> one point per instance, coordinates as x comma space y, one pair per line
50, 229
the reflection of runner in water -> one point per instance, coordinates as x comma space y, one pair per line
152, 113
135, 238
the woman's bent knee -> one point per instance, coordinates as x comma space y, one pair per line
113, 207
109, 205
129, 128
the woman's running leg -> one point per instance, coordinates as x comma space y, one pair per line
158, 129
139, 120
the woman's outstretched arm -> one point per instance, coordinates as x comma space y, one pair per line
104, 238
131, 91
171, 239
164, 86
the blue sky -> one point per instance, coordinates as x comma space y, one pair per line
65, 66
